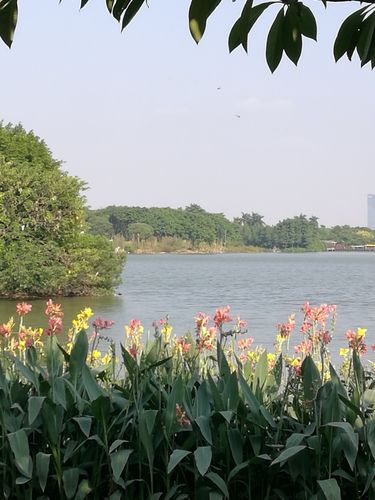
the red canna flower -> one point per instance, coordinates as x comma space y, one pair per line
22, 308
53, 309
222, 316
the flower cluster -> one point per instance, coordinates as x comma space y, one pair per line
55, 315
134, 336
356, 340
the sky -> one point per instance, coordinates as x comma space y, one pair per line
148, 118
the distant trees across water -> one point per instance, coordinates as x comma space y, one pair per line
193, 228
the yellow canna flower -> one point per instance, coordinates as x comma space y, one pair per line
361, 332
106, 359
343, 351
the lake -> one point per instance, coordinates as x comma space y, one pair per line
262, 288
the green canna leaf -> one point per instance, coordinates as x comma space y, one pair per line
119, 459
203, 457
330, 489
42, 461
176, 458
288, 453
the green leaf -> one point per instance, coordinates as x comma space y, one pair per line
204, 426
70, 481
237, 469
34, 405
370, 426
8, 20
241, 28
365, 41
227, 415
91, 385
294, 440
311, 379
83, 3
176, 458
292, 38
116, 444
307, 22
199, 12
288, 453
119, 8
131, 11
202, 403
219, 482
58, 392
101, 408
84, 424
203, 457
78, 355
83, 490
348, 34
267, 417
42, 467
109, 4
261, 371
129, 362
349, 441
119, 460
277, 370
330, 489
236, 445
20, 447
275, 47
250, 399
230, 393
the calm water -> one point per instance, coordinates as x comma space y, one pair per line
262, 288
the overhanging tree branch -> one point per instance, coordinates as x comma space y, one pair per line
294, 21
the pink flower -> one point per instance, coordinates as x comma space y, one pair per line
222, 316
53, 309
22, 308
181, 417
182, 345
325, 337
356, 340
304, 347
54, 325
133, 351
6, 329
102, 324
285, 329
201, 320
206, 338
245, 343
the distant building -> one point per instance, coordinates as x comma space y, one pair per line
371, 211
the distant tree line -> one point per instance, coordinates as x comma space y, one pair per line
196, 226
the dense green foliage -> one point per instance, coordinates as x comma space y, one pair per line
294, 22
164, 431
44, 245
196, 226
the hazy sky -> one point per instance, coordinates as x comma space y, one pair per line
148, 118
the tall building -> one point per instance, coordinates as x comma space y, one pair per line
371, 211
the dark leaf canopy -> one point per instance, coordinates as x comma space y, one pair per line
294, 22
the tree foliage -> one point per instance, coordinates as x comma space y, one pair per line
198, 226
293, 23
44, 245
